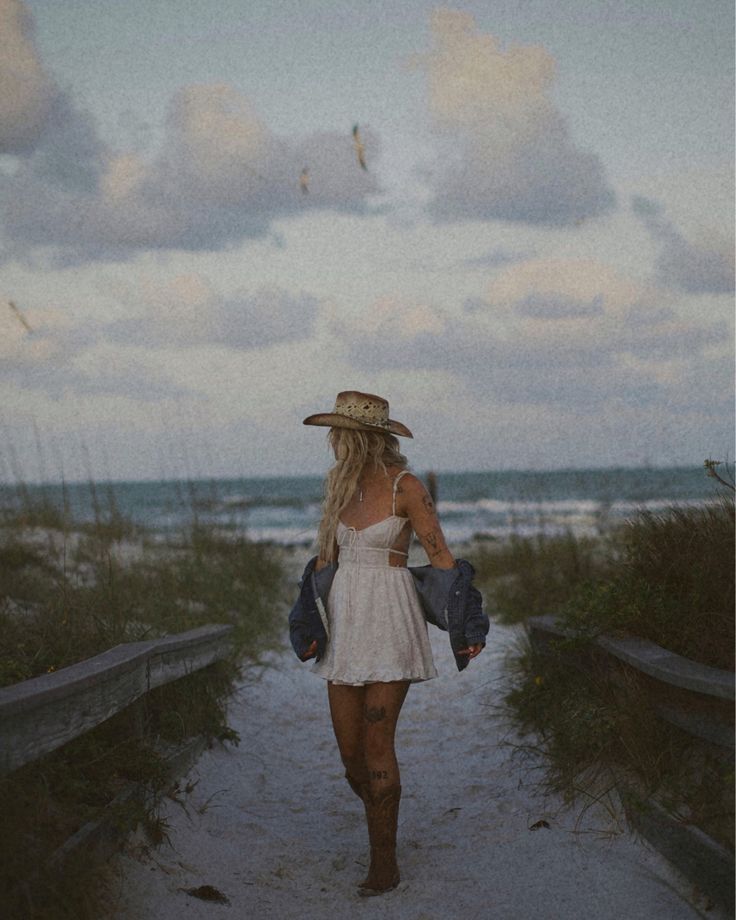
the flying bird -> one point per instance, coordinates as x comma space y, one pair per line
20, 316
304, 180
359, 148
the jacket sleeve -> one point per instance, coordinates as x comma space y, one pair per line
467, 621
299, 628
476, 623
433, 588
304, 622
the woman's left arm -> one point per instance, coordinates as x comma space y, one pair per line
414, 499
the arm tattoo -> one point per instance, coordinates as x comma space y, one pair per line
432, 544
374, 713
428, 503
431, 538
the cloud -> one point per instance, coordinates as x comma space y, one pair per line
26, 91
505, 149
61, 358
494, 258
220, 176
571, 335
705, 267
188, 312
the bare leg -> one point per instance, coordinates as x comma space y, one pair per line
346, 708
383, 702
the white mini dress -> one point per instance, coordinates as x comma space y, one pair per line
377, 629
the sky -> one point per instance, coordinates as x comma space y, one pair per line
535, 268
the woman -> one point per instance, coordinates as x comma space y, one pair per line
378, 642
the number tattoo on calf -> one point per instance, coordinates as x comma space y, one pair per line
379, 774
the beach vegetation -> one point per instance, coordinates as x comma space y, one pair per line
531, 576
669, 578
71, 589
664, 576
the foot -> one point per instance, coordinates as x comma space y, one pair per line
382, 811
383, 874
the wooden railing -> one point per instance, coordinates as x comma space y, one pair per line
696, 698
43, 713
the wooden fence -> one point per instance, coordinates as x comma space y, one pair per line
696, 698
41, 714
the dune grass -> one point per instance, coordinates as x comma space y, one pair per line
673, 584
669, 578
69, 591
601, 738
531, 576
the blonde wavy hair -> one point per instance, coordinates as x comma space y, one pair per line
354, 450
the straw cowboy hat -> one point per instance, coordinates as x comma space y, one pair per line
362, 411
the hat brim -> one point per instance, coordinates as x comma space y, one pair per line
335, 420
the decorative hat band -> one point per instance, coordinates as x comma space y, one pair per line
368, 413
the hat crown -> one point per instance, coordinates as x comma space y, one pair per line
366, 408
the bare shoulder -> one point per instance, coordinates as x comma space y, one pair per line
412, 495
409, 483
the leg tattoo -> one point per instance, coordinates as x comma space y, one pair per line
374, 714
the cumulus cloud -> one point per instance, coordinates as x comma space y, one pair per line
704, 267
494, 258
188, 312
573, 335
220, 176
26, 91
62, 358
505, 149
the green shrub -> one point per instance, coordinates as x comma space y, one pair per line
673, 584
530, 576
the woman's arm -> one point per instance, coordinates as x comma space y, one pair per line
415, 501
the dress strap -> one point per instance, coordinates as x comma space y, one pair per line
393, 496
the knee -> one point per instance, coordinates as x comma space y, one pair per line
353, 760
378, 744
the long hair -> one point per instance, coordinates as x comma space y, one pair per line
354, 450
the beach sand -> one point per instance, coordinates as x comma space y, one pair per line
274, 826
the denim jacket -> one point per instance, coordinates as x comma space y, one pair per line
448, 597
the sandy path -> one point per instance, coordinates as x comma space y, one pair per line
274, 826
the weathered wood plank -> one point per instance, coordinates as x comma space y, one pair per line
700, 858
656, 661
39, 715
103, 835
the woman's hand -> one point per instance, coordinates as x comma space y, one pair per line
472, 651
310, 652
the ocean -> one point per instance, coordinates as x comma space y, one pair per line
493, 504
